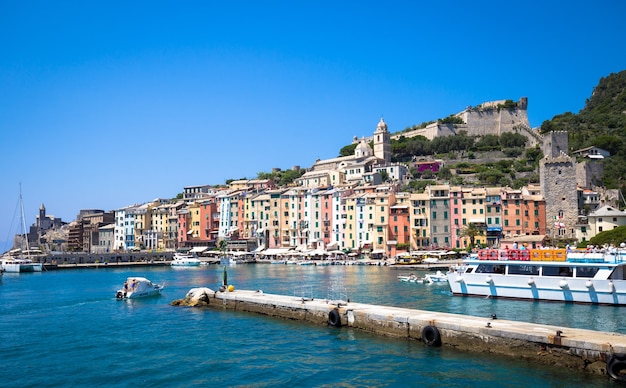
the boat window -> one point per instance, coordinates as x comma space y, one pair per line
489, 268
618, 274
524, 269
558, 271
586, 272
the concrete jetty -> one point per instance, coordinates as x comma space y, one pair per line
576, 349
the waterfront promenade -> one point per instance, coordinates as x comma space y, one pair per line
134, 259
96, 260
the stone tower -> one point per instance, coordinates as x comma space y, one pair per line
382, 142
557, 173
555, 143
42, 216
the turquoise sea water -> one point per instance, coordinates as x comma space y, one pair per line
65, 328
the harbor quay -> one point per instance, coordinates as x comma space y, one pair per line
91, 260
582, 350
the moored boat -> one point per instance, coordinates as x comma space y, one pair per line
138, 287
544, 274
20, 264
19, 260
227, 260
437, 277
183, 260
412, 278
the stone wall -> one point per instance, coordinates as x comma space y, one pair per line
589, 174
555, 143
486, 119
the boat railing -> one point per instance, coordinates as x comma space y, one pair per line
609, 256
554, 254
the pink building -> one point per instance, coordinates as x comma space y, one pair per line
432, 166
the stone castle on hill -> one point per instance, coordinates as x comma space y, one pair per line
488, 118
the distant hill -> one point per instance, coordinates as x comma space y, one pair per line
601, 123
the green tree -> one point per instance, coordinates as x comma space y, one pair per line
533, 155
614, 236
222, 245
452, 119
611, 143
347, 150
420, 185
513, 140
472, 231
488, 143
491, 176
444, 173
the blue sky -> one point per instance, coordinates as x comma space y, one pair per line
107, 104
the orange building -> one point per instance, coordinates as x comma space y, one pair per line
399, 229
523, 214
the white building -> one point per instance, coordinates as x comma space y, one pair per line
124, 233
353, 168
601, 220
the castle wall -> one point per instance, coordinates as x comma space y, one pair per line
486, 119
434, 130
494, 121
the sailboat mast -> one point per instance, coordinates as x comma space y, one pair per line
24, 222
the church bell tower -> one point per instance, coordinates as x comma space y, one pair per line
382, 142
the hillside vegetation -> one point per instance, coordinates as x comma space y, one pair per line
601, 123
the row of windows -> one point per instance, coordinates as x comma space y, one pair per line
527, 269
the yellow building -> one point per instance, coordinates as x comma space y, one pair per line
474, 212
420, 230
379, 204
273, 225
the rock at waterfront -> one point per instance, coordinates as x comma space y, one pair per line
196, 297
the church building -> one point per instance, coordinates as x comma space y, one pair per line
352, 169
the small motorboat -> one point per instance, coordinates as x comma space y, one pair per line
182, 260
412, 278
138, 287
438, 277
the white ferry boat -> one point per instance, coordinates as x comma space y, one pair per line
544, 274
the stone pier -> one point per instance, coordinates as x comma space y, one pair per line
587, 351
